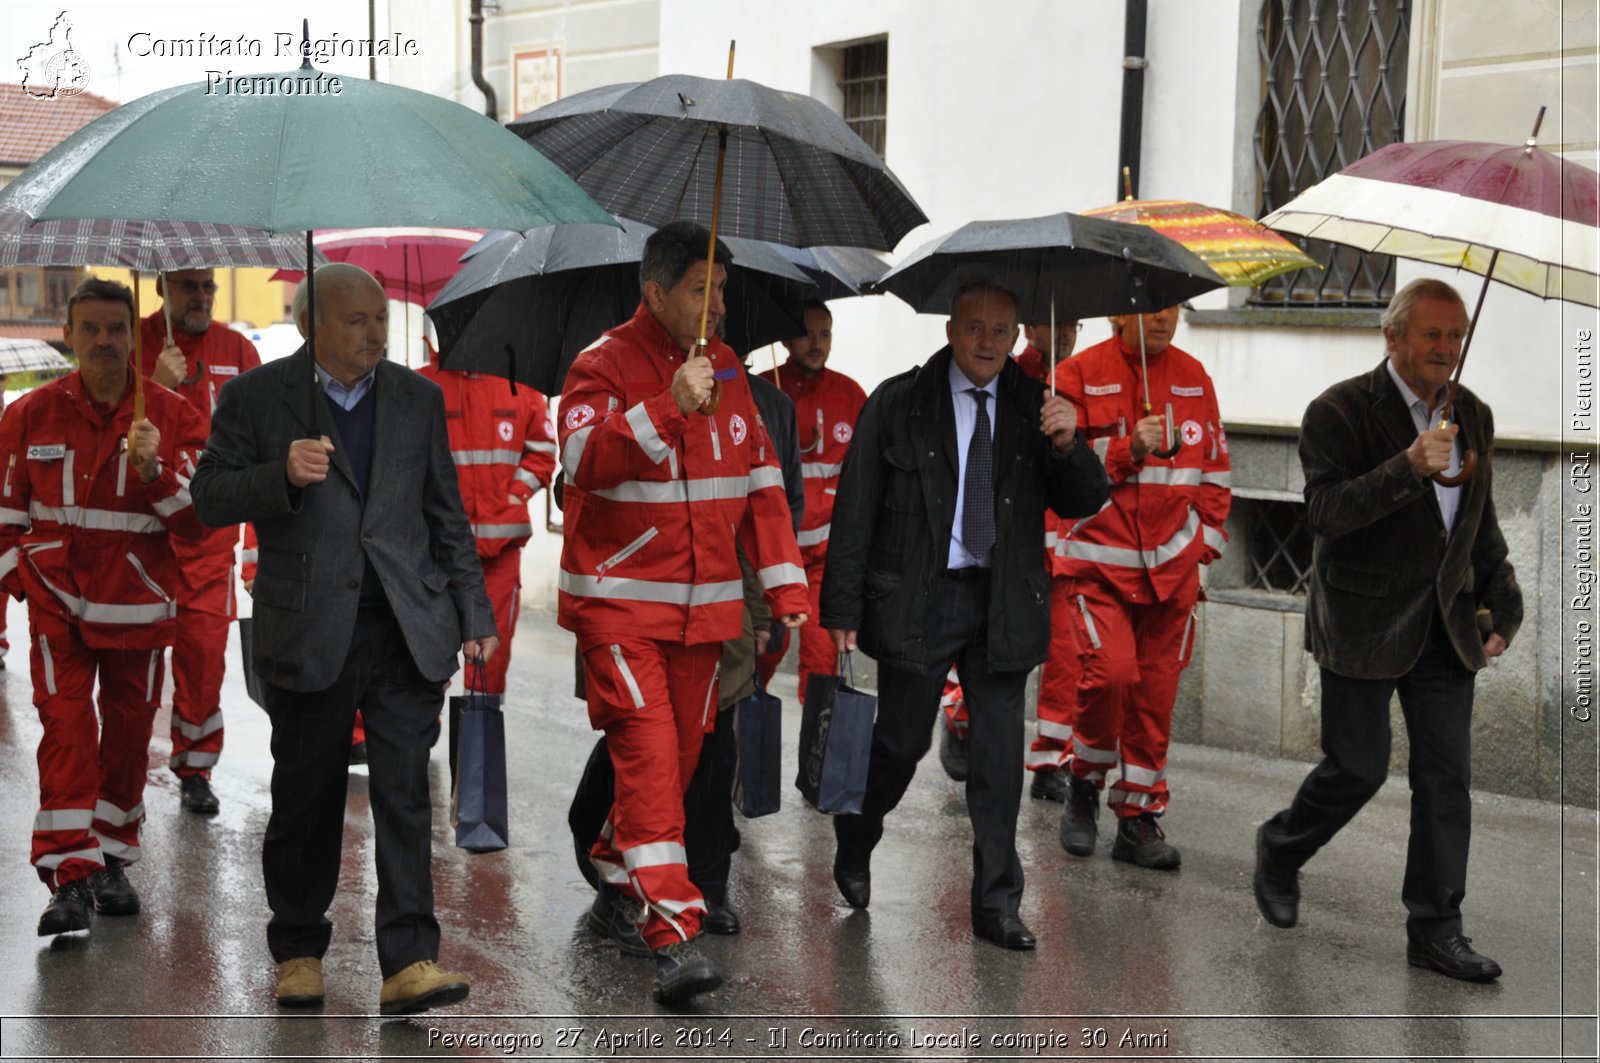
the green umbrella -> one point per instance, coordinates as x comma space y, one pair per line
300, 150
285, 152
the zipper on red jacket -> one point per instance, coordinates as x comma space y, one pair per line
626, 552
148, 582
716, 441
11, 466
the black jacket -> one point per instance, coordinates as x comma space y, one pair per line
897, 494
1381, 565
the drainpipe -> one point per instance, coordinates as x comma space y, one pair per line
491, 105
1135, 18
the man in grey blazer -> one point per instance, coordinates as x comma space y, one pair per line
1411, 592
367, 583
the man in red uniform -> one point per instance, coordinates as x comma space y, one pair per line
827, 404
182, 348
89, 497
1058, 681
504, 448
1135, 571
659, 489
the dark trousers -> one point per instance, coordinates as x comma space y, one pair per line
1436, 700
709, 833
300, 857
908, 702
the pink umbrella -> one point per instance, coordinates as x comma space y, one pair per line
412, 263
1518, 215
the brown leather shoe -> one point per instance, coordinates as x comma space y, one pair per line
300, 982
420, 987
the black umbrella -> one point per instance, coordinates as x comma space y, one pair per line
1082, 267
796, 173
839, 272
524, 304
1062, 265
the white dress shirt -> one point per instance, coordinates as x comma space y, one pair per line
966, 408
1424, 419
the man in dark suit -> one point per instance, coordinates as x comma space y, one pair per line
937, 556
367, 583
1411, 591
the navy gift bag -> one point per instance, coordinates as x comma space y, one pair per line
478, 801
835, 743
758, 732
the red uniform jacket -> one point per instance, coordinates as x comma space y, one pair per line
214, 357
655, 499
80, 536
826, 407
1165, 515
504, 448
1035, 363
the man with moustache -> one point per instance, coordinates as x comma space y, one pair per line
92, 498
182, 348
1411, 592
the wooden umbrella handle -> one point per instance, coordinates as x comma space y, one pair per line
703, 344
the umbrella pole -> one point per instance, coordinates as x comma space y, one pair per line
138, 369
166, 309
777, 377
311, 337
1053, 349
1144, 371
1469, 459
703, 346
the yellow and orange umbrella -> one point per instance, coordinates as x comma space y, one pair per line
1243, 252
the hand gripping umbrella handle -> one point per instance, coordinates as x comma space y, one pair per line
1469, 460
1469, 465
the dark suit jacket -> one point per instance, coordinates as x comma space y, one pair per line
777, 412
897, 497
312, 540
1381, 565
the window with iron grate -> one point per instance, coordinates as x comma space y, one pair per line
865, 86
1334, 90
1277, 544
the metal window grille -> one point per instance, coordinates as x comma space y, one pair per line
866, 91
1277, 544
1334, 88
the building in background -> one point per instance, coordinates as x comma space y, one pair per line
990, 111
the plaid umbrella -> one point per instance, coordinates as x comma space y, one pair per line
524, 305
146, 246
28, 356
1242, 252
797, 174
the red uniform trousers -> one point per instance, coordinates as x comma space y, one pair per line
1132, 653
502, 578
656, 701
1058, 689
205, 608
91, 772
1058, 684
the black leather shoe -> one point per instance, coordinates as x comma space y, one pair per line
1007, 931
1452, 956
854, 882
68, 909
952, 753
720, 919
1048, 786
615, 915
112, 892
1277, 888
194, 795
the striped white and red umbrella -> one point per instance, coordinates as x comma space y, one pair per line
1518, 215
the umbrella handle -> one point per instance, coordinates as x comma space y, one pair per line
1469, 465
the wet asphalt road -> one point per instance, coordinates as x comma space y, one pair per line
1131, 963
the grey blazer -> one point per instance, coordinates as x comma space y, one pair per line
312, 539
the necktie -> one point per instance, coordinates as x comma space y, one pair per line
977, 514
